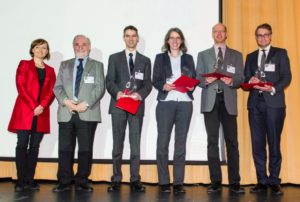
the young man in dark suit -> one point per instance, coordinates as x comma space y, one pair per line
266, 106
127, 65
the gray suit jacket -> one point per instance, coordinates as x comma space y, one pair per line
233, 66
118, 75
89, 92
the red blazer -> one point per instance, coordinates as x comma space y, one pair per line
28, 90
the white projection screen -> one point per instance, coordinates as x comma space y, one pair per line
58, 21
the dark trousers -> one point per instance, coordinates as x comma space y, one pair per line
212, 121
168, 114
119, 123
84, 131
266, 125
27, 151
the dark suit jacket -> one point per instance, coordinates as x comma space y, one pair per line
118, 75
280, 78
162, 70
28, 87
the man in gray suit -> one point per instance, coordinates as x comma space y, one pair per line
79, 87
122, 67
219, 105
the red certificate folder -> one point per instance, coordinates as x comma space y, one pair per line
128, 104
183, 82
216, 75
249, 86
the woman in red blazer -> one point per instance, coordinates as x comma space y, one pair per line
31, 116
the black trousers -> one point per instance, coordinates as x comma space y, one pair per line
119, 123
84, 132
168, 114
266, 125
212, 121
27, 151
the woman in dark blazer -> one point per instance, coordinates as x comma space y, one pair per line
31, 116
173, 108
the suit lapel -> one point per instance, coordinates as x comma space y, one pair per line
168, 68
213, 59
184, 66
123, 65
270, 54
182, 60
85, 72
70, 68
34, 72
137, 62
47, 76
227, 57
88, 66
254, 62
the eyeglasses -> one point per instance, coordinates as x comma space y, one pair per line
260, 36
219, 31
175, 38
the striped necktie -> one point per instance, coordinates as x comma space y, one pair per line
78, 76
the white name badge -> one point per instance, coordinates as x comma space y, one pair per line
89, 79
269, 67
139, 75
231, 69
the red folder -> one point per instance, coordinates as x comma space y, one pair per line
249, 86
128, 104
216, 75
183, 82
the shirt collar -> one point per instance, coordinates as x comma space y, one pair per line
83, 62
223, 47
133, 52
180, 54
266, 48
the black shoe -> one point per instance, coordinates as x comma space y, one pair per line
19, 187
114, 187
276, 189
165, 188
178, 189
259, 188
137, 186
214, 187
33, 186
84, 187
237, 189
61, 187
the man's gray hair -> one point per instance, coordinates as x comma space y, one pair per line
81, 35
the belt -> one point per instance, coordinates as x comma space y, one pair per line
74, 112
218, 90
260, 94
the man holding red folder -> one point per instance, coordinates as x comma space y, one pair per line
219, 106
128, 76
266, 107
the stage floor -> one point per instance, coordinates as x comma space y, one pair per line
152, 194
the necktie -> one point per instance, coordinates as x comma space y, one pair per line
131, 66
78, 76
220, 58
263, 60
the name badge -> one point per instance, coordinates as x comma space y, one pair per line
269, 67
89, 79
231, 69
139, 75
